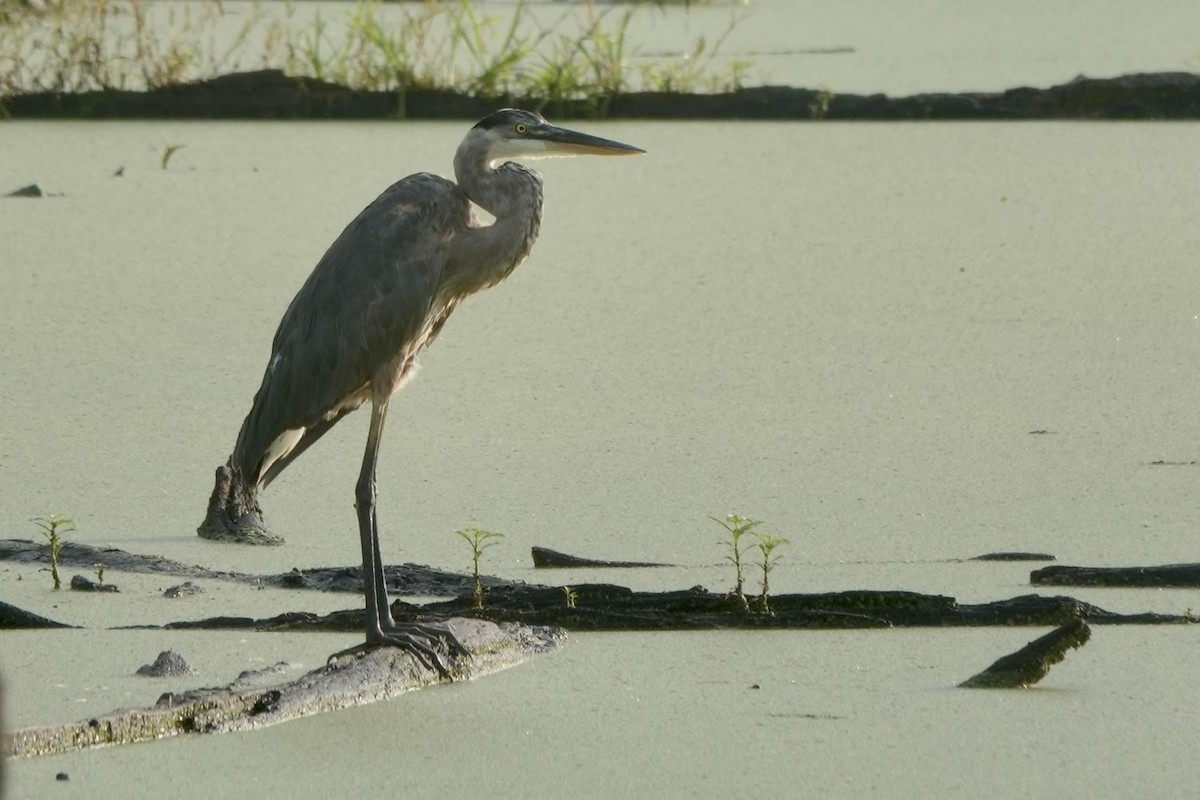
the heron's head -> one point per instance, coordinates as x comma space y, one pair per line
513, 133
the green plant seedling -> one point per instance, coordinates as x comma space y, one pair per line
766, 545
571, 596
479, 540
52, 527
99, 570
737, 526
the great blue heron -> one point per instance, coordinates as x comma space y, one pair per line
379, 295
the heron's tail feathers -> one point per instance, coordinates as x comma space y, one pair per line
233, 511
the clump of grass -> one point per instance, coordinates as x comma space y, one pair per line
694, 71
72, 46
479, 540
737, 527
585, 65
84, 45
52, 527
766, 545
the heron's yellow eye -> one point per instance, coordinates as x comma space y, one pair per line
521, 127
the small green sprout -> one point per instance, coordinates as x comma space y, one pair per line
766, 545
571, 596
479, 541
52, 527
737, 526
99, 570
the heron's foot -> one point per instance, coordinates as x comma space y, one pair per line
424, 641
244, 533
233, 512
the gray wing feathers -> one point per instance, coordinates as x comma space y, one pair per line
366, 304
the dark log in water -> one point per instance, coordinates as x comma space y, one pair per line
544, 557
32, 190
1032, 662
601, 606
604, 607
1008, 556
1169, 575
12, 617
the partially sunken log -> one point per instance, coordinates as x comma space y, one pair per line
1169, 575
1031, 663
599, 606
604, 607
12, 617
544, 557
32, 190
347, 681
1014, 556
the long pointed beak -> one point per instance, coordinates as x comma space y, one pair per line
568, 142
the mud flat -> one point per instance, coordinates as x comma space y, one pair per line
270, 94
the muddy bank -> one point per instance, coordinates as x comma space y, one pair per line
269, 94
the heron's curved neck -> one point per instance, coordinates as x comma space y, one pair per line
512, 194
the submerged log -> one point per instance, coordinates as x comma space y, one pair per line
1031, 663
592, 607
1169, 575
600, 606
32, 190
604, 607
1014, 556
544, 557
346, 681
12, 617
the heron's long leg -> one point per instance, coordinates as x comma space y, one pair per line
380, 627
368, 529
